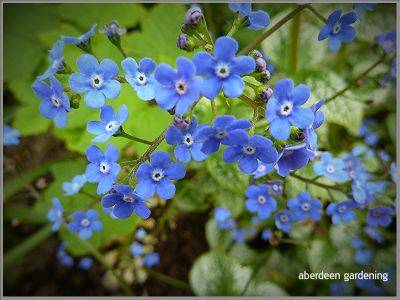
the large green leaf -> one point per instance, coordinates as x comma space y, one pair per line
321, 255
217, 238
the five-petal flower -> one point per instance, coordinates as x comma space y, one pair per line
84, 223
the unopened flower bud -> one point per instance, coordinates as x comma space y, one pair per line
113, 31
265, 76
181, 123
266, 94
261, 64
256, 54
193, 16
184, 42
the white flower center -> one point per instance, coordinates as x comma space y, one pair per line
261, 199
286, 108
188, 140
112, 125
97, 81
56, 102
336, 28
85, 222
249, 150
283, 218
341, 209
275, 187
261, 168
141, 78
104, 167
128, 198
222, 70
157, 175
221, 134
330, 168
306, 206
181, 87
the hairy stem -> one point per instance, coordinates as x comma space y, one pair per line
295, 36
122, 133
317, 183
168, 279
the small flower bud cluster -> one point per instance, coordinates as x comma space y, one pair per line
191, 24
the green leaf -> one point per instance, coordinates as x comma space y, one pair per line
320, 255
243, 253
215, 274
217, 238
264, 288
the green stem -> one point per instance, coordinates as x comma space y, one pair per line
263, 259
168, 279
274, 28
213, 108
317, 183
121, 50
316, 13
237, 23
355, 80
295, 35
122, 133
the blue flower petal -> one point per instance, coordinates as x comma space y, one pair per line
334, 17
173, 135
280, 128
108, 69
144, 171
175, 171
60, 119
166, 75
166, 97
347, 34
324, 33
94, 99
334, 43
105, 185
111, 153
204, 62
348, 18
232, 154
145, 92
182, 153
165, 189
283, 88
111, 89
42, 90
79, 83
210, 87
225, 49
258, 20
141, 210
110, 200
186, 68
233, 86
85, 233
87, 64
145, 188
160, 159
122, 210
301, 93
248, 164
197, 154
301, 117
47, 109
122, 114
242, 65
147, 65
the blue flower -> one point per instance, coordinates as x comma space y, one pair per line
140, 234
357, 242
260, 201
10, 135
239, 235
141, 77
223, 217
360, 9
224, 69
96, 80
310, 132
112, 29
248, 150
363, 256
188, 145
136, 249
384, 156
103, 168
262, 169
55, 103
266, 234
304, 206
213, 136
255, 20
284, 220
151, 259
55, 214
124, 201
292, 158
73, 187
84, 223
284, 108
371, 138
85, 263
387, 41
56, 58
374, 234
369, 286
339, 288
275, 187
342, 211
64, 258
331, 168
338, 29
380, 215
177, 88
363, 189
157, 175
393, 171
84, 39
110, 123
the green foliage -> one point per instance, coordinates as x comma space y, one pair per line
217, 238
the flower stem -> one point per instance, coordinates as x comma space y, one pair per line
295, 38
316, 13
213, 108
258, 266
355, 80
274, 28
122, 133
168, 279
121, 50
317, 183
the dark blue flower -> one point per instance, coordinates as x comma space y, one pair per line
136, 249
103, 168
248, 150
85, 263
151, 259
73, 187
262, 169
342, 211
255, 20
124, 201
310, 132
239, 235
292, 158
387, 41
96, 80
55, 214
141, 77
284, 108
223, 217
140, 234
177, 88
266, 234
110, 123
55, 103
360, 9
64, 258
188, 145
331, 168
224, 69
84, 223
213, 136
305, 207
10, 135
56, 58
363, 189
363, 256
260, 201
156, 176
357, 242
380, 215
284, 220
338, 29
81, 40
374, 234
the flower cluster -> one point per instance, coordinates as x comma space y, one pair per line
148, 258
